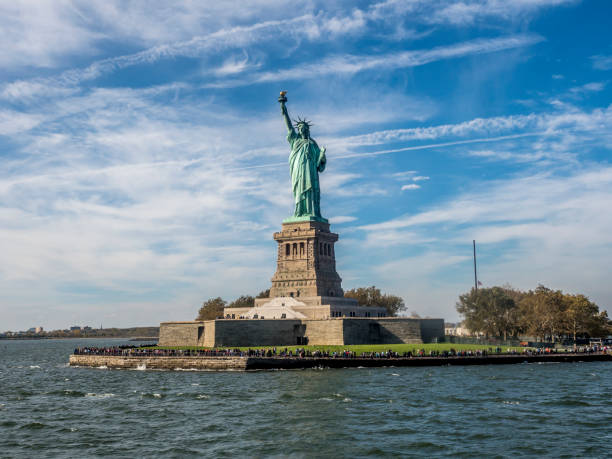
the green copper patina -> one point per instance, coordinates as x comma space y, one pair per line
305, 162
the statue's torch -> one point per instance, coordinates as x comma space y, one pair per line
283, 97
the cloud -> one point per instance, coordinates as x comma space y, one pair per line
351, 64
342, 219
463, 13
540, 228
595, 86
13, 122
411, 186
544, 196
419, 178
542, 123
602, 62
297, 28
234, 65
495, 155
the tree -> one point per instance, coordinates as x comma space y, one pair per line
211, 309
263, 294
543, 312
245, 301
371, 296
491, 311
582, 317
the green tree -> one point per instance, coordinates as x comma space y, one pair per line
211, 309
371, 296
582, 317
492, 311
245, 301
263, 294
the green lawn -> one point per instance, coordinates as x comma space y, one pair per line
359, 349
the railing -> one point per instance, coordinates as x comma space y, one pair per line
125, 351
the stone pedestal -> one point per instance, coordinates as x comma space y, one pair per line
305, 283
306, 262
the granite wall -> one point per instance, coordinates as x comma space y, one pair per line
322, 332
257, 332
381, 331
287, 332
431, 329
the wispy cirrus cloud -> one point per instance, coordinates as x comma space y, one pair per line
542, 122
351, 64
467, 12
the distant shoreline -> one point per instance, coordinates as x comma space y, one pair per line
131, 338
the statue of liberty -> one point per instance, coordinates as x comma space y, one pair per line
305, 162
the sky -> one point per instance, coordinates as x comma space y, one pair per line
144, 162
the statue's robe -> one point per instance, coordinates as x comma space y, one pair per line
305, 162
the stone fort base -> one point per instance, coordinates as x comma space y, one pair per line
290, 332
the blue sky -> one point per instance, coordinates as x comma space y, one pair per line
144, 162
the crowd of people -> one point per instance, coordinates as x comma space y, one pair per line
135, 351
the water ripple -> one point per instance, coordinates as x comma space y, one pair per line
488, 411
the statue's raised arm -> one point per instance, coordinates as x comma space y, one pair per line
283, 99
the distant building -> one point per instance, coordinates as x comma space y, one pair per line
87, 328
451, 329
38, 330
75, 327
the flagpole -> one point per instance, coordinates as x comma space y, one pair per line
475, 275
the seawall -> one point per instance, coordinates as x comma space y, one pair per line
160, 362
273, 363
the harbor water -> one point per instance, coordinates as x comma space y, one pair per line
48, 409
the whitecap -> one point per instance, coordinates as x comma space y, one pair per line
102, 367
338, 395
157, 395
346, 399
326, 399
141, 367
394, 374
195, 384
73, 429
66, 379
511, 402
202, 396
34, 366
93, 394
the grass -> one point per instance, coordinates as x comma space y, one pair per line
359, 349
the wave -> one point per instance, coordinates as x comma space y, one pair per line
33, 426
93, 394
151, 395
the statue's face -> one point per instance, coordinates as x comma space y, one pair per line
303, 130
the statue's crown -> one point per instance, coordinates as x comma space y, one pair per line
302, 122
